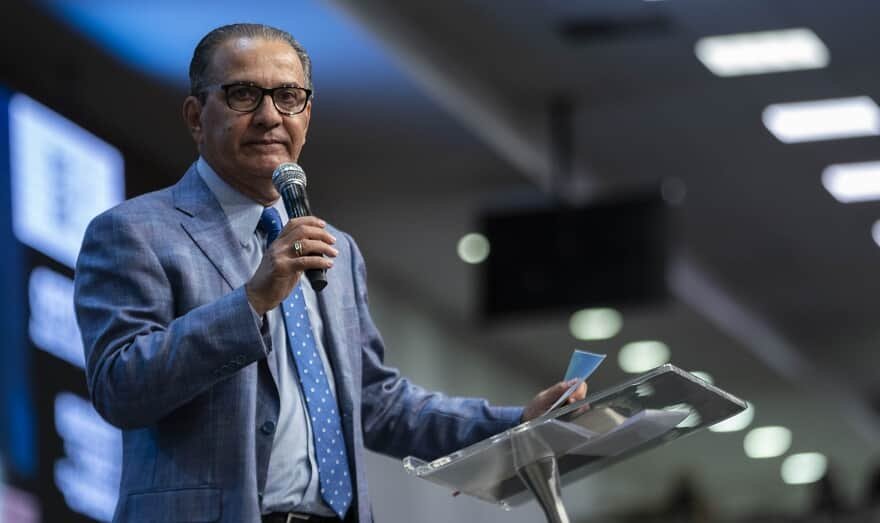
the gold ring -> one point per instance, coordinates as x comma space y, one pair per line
298, 247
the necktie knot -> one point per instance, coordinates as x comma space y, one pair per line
270, 223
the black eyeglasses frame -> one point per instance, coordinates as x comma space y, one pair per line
270, 91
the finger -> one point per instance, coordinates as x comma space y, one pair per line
562, 386
306, 232
551, 393
313, 221
304, 263
313, 248
579, 393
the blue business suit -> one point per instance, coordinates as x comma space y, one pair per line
175, 357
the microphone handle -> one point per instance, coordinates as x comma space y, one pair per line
297, 204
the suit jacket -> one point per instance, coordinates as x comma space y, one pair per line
176, 359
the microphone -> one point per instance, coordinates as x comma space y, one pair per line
289, 180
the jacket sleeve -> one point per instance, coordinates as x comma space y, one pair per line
142, 362
401, 418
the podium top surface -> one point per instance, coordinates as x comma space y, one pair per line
585, 437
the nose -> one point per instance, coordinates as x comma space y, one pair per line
266, 114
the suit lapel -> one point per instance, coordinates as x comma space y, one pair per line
204, 221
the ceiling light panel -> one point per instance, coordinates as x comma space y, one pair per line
853, 182
595, 324
823, 119
875, 232
804, 468
762, 52
767, 442
642, 356
737, 422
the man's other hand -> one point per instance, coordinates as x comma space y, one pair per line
547, 397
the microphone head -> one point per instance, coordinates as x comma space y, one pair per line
286, 174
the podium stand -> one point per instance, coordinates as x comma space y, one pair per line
580, 439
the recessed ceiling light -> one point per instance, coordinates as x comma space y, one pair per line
853, 182
735, 423
642, 356
823, 119
595, 324
473, 248
804, 468
767, 442
762, 52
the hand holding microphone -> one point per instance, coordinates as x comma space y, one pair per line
304, 245
289, 180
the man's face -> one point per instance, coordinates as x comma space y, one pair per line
244, 148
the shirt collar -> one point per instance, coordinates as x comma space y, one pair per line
242, 212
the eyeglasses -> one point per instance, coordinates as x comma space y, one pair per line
246, 97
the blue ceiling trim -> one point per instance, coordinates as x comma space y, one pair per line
158, 36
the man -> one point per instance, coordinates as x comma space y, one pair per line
243, 394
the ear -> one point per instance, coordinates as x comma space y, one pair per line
192, 117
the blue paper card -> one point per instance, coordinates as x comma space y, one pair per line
581, 365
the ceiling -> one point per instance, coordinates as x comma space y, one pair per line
756, 227
427, 111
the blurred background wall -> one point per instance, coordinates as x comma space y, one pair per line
750, 126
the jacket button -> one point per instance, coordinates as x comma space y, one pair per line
268, 427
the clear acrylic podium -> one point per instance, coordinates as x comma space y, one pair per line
580, 439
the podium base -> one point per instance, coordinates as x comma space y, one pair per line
542, 478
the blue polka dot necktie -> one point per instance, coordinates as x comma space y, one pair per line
330, 454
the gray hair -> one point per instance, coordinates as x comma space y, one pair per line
199, 74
